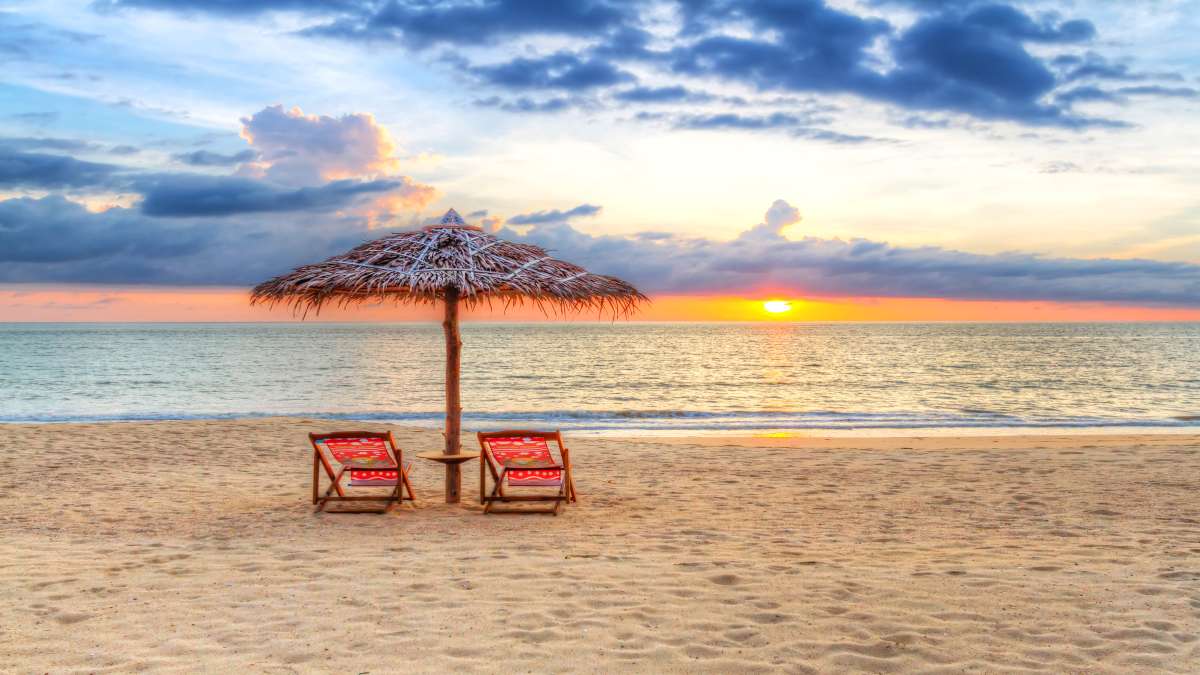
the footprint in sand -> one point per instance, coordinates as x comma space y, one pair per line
725, 579
71, 617
741, 634
770, 618
1181, 575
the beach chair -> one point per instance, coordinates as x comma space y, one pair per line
370, 458
518, 460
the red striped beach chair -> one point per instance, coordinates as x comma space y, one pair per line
368, 459
522, 459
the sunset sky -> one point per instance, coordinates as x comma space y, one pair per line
862, 160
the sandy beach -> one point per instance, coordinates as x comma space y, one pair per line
192, 546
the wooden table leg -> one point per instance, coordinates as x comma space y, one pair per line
453, 482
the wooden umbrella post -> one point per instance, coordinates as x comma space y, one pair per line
453, 399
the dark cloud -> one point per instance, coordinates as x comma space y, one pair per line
560, 70
555, 216
54, 229
1158, 90
928, 5
798, 126
230, 7
25, 143
1086, 94
671, 94
56, 240
962, 57
524, 104
1018, 25
1090, 93
762, 258
972, 61
124, 150
208, 158
192, 195
922, 122
34, 170
1092, 66
422, 24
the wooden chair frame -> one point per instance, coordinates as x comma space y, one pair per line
320, 461
488, 464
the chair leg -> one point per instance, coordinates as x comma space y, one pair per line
394, 498
495, 496
316, 486
412, 496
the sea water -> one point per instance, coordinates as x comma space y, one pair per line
619, 377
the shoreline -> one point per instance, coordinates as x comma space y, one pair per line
1186, 427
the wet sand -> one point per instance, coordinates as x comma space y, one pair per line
192, 546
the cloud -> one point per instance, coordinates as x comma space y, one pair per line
780, 215
56, 240
208, 158
53, 239
229, 7
422, 25
762, 259
178, 195
1092, 94
1092, 66
795, 125
994, 61
555, 216
1087, 94
1060, 166
305, 163
1158, 90
47, 143
560, 70
1019, 26
670, 94
56, 230
41, 171
300, 149
523, 104
23, 39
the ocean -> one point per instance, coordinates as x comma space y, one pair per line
617, 378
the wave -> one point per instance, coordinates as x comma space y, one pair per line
665, 420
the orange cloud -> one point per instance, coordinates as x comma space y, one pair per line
301, 149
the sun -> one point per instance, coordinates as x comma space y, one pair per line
777, 306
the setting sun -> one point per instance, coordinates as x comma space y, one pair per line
777, 306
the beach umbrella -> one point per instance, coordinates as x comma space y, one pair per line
457, 265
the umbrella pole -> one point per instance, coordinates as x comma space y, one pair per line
453, 399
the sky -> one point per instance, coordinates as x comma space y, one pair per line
860, 160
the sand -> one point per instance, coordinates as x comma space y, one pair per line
192, 547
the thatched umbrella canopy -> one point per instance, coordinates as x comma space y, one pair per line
456, 264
